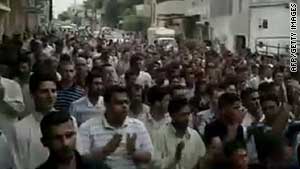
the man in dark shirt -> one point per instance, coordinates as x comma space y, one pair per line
227, 127
59, 136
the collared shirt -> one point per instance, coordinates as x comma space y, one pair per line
153, 125
29, 151
81, 163
6, 158
165, 148
84, 110
66, 96
249, 119
142, 116
97, 132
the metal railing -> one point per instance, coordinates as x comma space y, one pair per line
278, 48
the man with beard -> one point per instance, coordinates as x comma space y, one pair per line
22, 77
59, 136
91, 105
190, 148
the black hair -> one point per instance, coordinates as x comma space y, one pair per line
211, 88
91, 76
247, 92
176, 104
130, 73
278, 69
227, 99
157, 93
38, 77
136, 57
266, 87
269, 97
51, 119
24, 58
112, 90
231, 147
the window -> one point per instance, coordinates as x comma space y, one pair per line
265, 24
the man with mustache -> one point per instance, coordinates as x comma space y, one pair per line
59, 136
178, 146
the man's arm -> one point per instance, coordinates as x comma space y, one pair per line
11, 101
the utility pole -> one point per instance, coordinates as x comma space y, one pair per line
50, 12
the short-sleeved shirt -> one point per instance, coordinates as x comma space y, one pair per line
165, 148
66, 96
84, 110
97, 132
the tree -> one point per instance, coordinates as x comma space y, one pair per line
64, 16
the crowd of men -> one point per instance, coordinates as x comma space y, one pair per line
68, 102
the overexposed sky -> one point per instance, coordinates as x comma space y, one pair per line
61, 5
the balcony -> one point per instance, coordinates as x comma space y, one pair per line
267, 3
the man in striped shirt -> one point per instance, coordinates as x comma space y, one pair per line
122, 141
68, 91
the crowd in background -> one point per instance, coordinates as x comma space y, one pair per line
73, 102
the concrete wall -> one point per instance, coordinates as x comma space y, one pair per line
226, 28
278, 25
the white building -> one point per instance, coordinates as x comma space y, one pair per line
244, 23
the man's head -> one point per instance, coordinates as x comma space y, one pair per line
230, 107
81, 67
266, 88
159, 98
43, 90
59, 135
117, 103
136, 61
278, 75
250, 99
189, 75
95, 84
214, 92
237, 154
67, 70
270, 104
180, 112
24, 65
110, 76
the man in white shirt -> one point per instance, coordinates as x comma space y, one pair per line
158, 117
91, 105
136, 64
11, 105
30, 153
178, 146
122, 141
6, 158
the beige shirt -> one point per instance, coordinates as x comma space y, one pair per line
165, 145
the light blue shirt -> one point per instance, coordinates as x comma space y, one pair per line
83, 110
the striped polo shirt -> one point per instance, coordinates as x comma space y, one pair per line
66, 96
